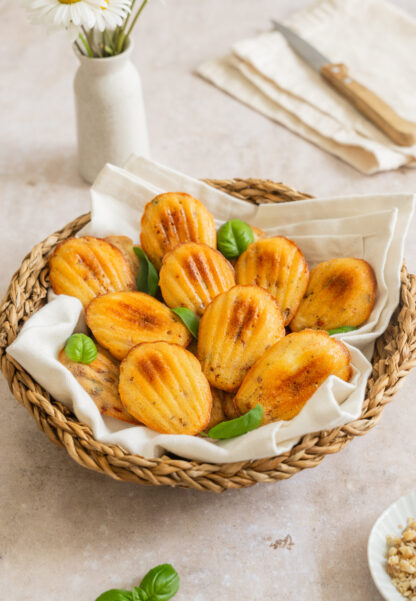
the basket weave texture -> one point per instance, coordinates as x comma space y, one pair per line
394, 357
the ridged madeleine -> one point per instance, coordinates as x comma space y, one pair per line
100, 380
125, 246
279, 266
290, 372
162, 385
120, 320
192, 275
235, 330
341, 292
171, 219
87, 267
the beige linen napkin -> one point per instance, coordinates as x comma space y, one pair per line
372, 37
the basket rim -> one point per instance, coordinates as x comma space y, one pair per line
394, 357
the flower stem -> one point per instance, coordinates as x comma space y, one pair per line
133, 23
86, 45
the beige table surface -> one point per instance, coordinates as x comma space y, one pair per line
69, 534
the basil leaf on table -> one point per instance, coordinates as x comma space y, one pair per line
233, 237
238, 426
161, 583
115, 594
341, 330
189, 319
148, 277
81, 348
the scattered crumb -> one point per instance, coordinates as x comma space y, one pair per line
401, 560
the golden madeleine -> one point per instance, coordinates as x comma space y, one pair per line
192, 275
279, 266
120, 320
258, 233
235, 330
162, 386
87, 267
125, 246
171, 219
100, 380
217, 412
290, 372
341, 292
227, 401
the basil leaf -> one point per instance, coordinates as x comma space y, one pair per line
81, 348
189, 319
161, 583
115, 594
342, 330
233, 238
239, 425
138, 594
148, 278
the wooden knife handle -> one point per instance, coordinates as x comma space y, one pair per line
401, 131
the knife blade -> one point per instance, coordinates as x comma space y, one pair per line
398, 129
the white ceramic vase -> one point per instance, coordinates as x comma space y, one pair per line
111, 121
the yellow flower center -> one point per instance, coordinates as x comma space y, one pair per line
68, 1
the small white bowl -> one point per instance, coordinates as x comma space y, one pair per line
391, 522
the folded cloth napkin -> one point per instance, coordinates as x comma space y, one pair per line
372, 37
369, 227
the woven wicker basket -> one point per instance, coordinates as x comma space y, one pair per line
394, 357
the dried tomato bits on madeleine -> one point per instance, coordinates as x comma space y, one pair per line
289, 373
279, 266
120, 320
162, 386
87, 267
100, 380
171, 219
341, 292
192, 275
235, 330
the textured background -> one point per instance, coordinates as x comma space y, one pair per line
67, 533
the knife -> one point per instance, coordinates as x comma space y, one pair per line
401, 131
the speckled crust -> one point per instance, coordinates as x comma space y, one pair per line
235, 330
228, 404
100, 380
279, 266
87, 267
162, 385
125, 246
217, 412
341, 292
192, 275
290, 372
171, 219
120, 320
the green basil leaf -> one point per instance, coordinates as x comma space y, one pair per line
342, 330
115, 594
239, 425
161, 583
189, 319
81, 348
138, 594
148, 277
233, 238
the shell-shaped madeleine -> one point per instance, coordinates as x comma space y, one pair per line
162, 386
279, 266
120, 320
125, 246
290, 372
341, 292
235, 330
100, 380
192, 275
171, 219
87, 267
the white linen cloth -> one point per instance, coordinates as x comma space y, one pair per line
372, 37
369, 227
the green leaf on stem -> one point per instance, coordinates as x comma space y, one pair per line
342, 330
189, 319
81, 348
233, 237
161, 583
148, 279
238, 426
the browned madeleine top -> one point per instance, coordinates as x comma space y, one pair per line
171, 219
87, 267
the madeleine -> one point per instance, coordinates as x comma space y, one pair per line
120, 320
192, 275
290, 372
279, 266
171, 219
217, 412
162, 386
125, 246
87, 267
235, 330
341, 292
100, 380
